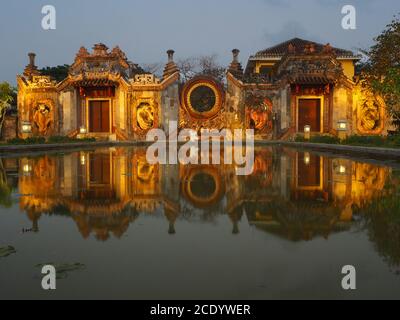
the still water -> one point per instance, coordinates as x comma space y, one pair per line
141, 231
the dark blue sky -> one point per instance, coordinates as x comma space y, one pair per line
145, 29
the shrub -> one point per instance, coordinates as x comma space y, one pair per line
65, 139
394, 140
31, 140
365, 140
53, 139
299, 138
325, 139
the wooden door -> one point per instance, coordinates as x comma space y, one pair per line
99, 116
309, 113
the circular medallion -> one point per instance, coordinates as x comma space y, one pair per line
202, 186
202, 97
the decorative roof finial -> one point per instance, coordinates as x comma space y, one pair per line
31, 69
235, 67
170, 67
235, 53
31, 56
170, 53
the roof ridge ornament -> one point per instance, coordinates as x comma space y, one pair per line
31, 69
235, 67
170, 67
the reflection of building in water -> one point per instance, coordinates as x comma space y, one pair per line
316, 195
297, 195
103, 191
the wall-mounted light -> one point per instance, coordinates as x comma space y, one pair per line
342, 169
82, 130
26, 127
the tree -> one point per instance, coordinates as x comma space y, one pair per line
187, 67
58, 73
382, 70
202, 65
154, 68
7, 98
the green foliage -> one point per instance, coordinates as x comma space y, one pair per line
58, 73
381, 217
324, 139
318, 139
7, 99
31, 140
65, 139
382, 71
365, 140
299, 138
53, 139
5, 189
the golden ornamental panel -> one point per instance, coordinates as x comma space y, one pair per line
145, 116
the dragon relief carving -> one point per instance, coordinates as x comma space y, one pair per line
145, 117
258, 112
43, 117
370, 113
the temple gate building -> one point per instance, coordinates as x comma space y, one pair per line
294, 86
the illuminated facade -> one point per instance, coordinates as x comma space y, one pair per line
295, 85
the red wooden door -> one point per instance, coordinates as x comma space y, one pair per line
99, 116
309, 113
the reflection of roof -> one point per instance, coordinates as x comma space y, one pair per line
302, 220
299, 45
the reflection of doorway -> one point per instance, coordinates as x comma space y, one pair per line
99, 116
99, 177
309, 171
309, 114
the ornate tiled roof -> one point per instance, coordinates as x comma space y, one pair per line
299, 46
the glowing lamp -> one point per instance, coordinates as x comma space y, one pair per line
342, 125
307, 132
307, 158
342, 169
26, 127
82, 159
82, 130
27, 168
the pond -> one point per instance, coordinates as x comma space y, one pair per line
140, 231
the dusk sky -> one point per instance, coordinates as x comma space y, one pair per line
146, 29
